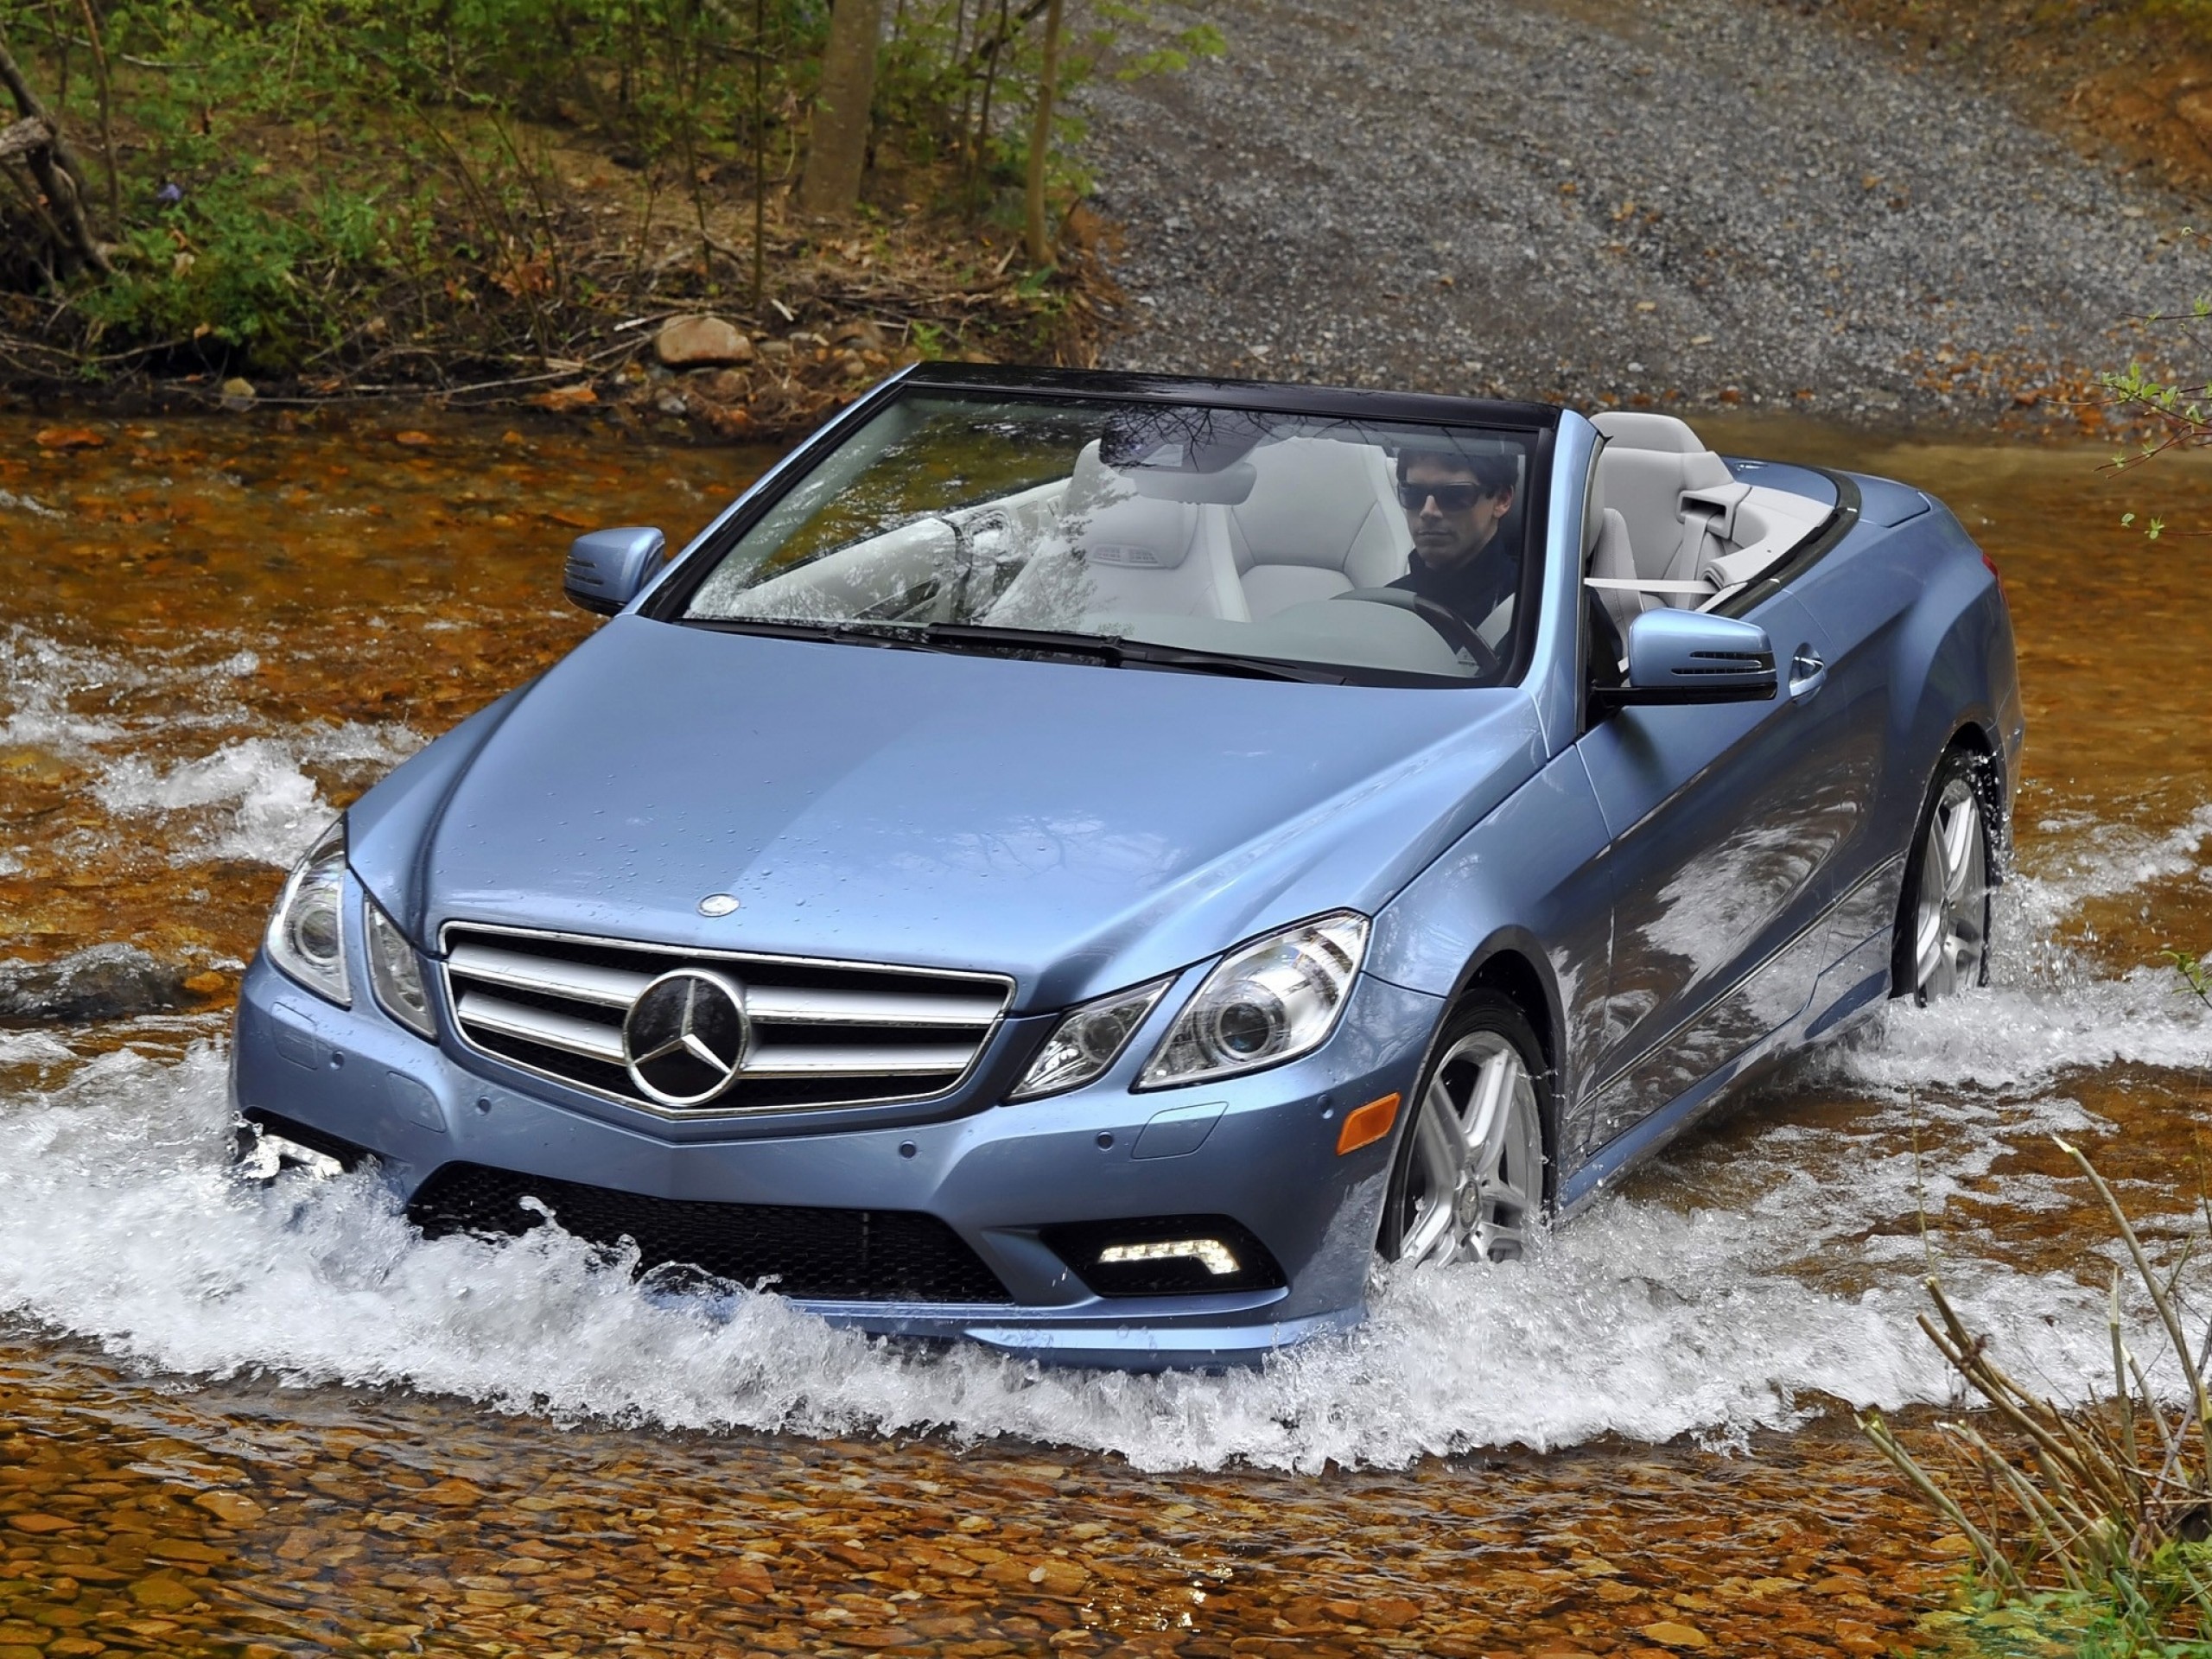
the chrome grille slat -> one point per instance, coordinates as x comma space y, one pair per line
795, 1060
581, 981
827, 1034
775, 1005
563, 1031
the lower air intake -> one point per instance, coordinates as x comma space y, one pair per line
821, 1255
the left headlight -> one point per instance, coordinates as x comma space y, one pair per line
1268, 1002
395, 972
307, 931
1087, 1041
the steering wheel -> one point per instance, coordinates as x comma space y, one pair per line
1457, 633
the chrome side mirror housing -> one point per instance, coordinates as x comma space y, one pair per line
1688, 657
607, 568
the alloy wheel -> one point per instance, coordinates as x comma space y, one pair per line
1951, 922
1476, 1186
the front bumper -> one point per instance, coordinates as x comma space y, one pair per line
996, 1174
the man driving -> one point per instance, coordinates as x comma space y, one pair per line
1453, 504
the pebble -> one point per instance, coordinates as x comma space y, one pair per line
251, 1521
1388, 203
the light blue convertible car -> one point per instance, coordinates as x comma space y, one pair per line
1090, 863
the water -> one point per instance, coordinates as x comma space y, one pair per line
217, 634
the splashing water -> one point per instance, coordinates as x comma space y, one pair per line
1666, 1310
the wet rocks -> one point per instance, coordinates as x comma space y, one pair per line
701, 343
103, 982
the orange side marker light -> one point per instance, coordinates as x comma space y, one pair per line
1367, 1125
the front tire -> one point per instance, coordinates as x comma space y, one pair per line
1470, 1181
1943, 913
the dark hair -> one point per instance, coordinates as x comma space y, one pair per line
1495, 473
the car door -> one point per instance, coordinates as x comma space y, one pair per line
1723, 818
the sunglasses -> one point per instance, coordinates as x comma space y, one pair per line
1449, 497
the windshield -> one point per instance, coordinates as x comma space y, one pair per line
1153, 535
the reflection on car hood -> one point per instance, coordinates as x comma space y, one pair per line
1080, 828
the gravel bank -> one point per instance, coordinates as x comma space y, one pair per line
1714, 201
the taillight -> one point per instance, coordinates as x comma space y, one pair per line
1994, 572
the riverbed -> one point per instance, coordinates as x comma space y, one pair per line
274, 1420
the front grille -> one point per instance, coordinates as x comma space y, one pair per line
827, 1255
824, 1034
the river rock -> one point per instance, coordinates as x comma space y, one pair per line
701, 343
103, 982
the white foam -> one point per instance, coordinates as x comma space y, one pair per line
118, 1221
272, 808
1713, 1295
2105, 861
39, 677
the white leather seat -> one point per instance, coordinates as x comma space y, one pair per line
1322, 519
1118, 553
1649, 461
1612, 559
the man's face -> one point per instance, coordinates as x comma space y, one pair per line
1452, 516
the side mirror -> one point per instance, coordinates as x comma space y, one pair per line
607, 568
1688, 657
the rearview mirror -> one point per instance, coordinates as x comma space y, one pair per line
1688, 657
607, 567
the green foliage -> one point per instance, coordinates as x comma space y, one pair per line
2196, 976
289, 174
2173, 413
961, 77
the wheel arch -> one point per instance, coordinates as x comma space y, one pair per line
1512, 964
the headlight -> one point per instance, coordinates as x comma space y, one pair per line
307, 931
395, 972
1087, 1041
1269, 1001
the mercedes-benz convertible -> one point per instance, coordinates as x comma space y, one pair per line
1091, 864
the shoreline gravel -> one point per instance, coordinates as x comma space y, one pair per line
1698, 203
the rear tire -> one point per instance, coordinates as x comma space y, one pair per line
1943, 912
1471, 1177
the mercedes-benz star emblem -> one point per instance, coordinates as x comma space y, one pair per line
684, 1038
718, 903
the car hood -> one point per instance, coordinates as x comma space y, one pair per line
1080, 828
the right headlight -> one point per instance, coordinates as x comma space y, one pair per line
307, 931
1268, 1002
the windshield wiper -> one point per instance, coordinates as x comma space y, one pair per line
1118, 652
863, 632
1108, 650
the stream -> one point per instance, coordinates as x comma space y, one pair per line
274, 1420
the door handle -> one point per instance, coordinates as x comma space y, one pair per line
1808, 672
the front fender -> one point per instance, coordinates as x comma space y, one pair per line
1532, 878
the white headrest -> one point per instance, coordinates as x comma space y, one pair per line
1134, 531
1632, 428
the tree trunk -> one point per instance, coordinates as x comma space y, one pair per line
36, 141
838, 145
1040, 139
